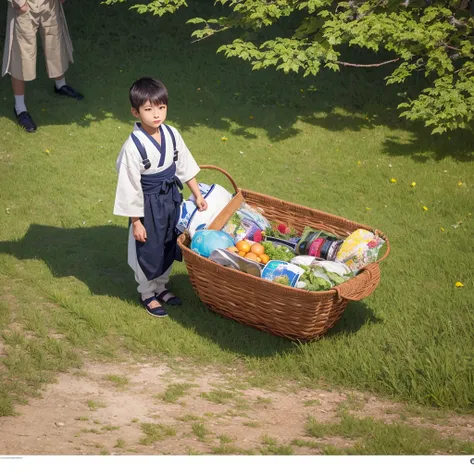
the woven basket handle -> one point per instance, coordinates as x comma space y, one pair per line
224, 172
384, 237
357, 290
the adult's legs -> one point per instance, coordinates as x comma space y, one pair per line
23, 63
18, 86
55, 49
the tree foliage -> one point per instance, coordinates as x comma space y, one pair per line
430, 37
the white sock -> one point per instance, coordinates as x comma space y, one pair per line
20, 104
60, 83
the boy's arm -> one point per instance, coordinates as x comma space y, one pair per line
139, 231
186, 166
201, 203
19, 4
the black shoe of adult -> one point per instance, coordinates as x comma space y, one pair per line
26, 121
68, 91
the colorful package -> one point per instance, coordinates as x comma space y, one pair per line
359, 249
206, 241
191, 219
245, 223
282, 272
319, 244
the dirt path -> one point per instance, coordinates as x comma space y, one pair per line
119, 409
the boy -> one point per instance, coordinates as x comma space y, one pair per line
152, 164
24, 19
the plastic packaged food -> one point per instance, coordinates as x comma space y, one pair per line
359, 249
319, 244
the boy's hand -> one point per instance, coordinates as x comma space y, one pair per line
201, 203
139, 231
23, 9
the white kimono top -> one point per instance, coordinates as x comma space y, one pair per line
129, 195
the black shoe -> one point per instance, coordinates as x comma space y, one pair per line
69, 92
25, 120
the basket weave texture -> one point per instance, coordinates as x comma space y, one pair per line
288, 312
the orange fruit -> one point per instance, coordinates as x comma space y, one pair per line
264, 258
251, 256
242, 254
257, 249
259, 259
232, 249
243, 246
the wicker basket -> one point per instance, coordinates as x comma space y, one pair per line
288, 312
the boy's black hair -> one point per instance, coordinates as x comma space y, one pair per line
147, 88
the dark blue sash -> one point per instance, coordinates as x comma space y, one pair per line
162, 199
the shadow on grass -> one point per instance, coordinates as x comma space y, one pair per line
112, 49
236, 337
97, 257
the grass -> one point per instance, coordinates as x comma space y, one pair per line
90, 430
303, 443
271, 446
156, 432
331, 143
252, 424
263, 401
200, 430
224, 439
94, 405
375, 437
174, 391
311, 403
119, 381
230, 449
110, 428
218, 396
186, 418
352, 403
120, 443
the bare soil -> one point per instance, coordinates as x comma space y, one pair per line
87, 413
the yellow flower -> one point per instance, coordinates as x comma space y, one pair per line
251, 117
47, 151
358, 162
368, 208
413, 184
460, 183
393, 180
459, 284
224, 139
442, 229
425, 208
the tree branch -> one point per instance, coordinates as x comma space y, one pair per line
343, 63
211, 34
447, 46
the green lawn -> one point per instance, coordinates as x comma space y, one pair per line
333, 144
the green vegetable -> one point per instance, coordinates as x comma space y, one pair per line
235, 219
278, 252
335, 278
316, 283
283, 280
274, 232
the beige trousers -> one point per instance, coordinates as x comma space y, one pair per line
47, 17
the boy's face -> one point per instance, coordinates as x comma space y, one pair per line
151, 115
